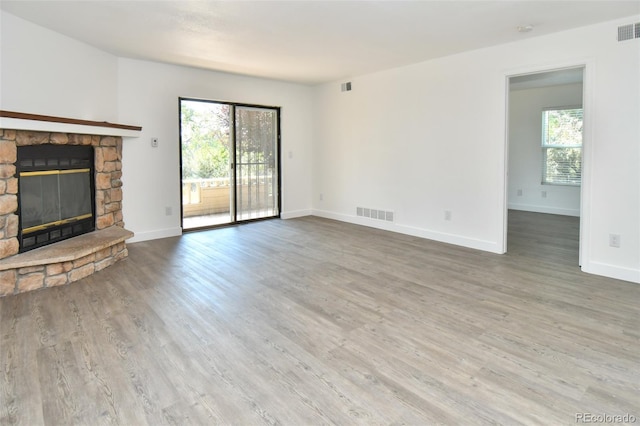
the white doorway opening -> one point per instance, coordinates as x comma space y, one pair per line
545, 174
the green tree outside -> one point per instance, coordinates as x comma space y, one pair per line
205, 140
562, 146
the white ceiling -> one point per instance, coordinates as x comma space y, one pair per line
306, 41
546, 79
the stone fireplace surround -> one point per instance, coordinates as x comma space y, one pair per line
78, 257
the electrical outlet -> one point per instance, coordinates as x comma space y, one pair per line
519, 192
447, 215
321, 196
168, 211
544, 194
614, 240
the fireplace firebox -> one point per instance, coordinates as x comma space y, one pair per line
56, 193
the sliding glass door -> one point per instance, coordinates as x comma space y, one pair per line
230, 163
256, 162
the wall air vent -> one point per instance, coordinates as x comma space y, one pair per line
628, 32
375, 214
346, 87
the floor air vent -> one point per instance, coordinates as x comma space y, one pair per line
628, 32
375, 214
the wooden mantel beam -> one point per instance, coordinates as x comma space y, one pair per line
53, 119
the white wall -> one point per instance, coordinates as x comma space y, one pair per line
44, 72
525, 152
148, 96
406, 140
430, 137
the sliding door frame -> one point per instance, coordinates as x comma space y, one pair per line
232, 143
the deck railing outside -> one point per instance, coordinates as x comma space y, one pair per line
202, 197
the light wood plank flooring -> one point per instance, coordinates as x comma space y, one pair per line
311, 321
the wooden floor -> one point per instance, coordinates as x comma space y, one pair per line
310, 321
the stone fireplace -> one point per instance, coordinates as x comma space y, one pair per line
66, 261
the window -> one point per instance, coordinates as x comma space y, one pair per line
562, 146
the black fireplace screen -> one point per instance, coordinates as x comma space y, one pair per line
56, 193
52, 198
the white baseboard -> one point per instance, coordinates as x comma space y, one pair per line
544, 209
612, 271
154, 235
295, 213
458, 240
174, 232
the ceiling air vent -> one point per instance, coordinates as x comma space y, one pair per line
628, 32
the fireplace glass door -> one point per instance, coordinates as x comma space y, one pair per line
55, 193
229, 163
54, 197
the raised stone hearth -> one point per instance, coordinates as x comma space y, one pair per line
70, 260
63, 262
